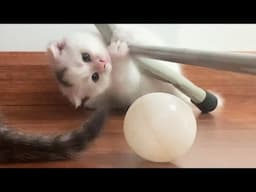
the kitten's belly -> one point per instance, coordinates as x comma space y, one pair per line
125, 83
128, 90
130, 83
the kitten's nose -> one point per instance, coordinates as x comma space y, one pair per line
101, 65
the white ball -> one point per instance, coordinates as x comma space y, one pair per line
160, 127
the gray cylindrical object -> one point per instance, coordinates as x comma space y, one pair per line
228, 61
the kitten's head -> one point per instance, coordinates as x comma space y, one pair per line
82, 66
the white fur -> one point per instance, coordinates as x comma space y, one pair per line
122, 82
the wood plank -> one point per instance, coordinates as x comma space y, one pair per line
26, 79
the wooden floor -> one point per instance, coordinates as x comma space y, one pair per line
30, 100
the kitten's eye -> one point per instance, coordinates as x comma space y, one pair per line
86, 57
95, 77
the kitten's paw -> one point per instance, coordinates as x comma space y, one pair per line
118, 49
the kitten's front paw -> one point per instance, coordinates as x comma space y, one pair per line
118, 49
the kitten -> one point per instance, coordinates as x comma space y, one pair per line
91, 74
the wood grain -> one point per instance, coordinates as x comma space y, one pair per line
30, 100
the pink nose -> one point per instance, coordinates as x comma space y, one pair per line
101, 65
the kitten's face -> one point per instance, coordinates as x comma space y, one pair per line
82, 66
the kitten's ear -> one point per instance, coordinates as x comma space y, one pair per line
55, 48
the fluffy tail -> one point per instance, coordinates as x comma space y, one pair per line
19, 147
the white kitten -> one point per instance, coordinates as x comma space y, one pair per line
93, 74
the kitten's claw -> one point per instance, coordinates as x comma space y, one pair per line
118, 49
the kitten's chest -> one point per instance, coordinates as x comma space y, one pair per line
125, 78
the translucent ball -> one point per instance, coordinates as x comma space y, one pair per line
160, 127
